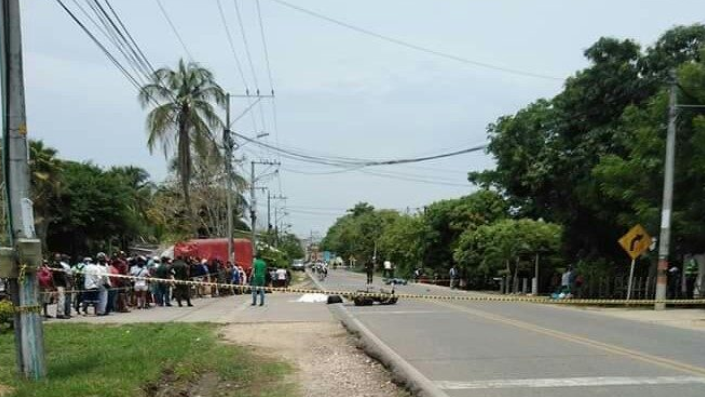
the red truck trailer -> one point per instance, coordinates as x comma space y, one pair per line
216, 248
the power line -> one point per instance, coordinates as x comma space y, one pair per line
232, 46
412, 179
249, 58
269, 70
237, 59
417, 47
359, 162
174, 30
100, 45
113, 36
134, 43
133, 52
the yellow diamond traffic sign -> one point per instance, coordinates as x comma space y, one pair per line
636, 241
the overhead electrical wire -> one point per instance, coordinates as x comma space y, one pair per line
174, 30
265, 49
100, 45
412, 179
132, 40
132, 54
249, 60
360, 162
417, 47
231, 43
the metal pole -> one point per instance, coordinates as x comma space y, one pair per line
227, 141
253, 208
665, 237
29, 334
631, 277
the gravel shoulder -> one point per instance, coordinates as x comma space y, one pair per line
325, 355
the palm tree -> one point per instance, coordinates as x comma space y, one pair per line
183, 114
45, 179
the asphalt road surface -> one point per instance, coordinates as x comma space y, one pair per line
523, 349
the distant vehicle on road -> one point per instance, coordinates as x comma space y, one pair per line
298, 264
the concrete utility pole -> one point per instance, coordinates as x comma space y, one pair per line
665, 237
269, 214
269, 211
229, 144
253, 208
253, 199
23, 261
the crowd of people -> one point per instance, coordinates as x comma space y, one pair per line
100, 284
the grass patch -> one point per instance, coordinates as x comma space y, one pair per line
138, 359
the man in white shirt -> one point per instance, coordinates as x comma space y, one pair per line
388, 269
281, 277
91, 281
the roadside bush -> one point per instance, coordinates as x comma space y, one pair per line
6, 316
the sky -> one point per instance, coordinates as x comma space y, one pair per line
338, 92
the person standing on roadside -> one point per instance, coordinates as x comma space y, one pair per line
70, 285
92, 280
113, 291
453, 273
388, 273
182, 291
370, 270
164, 273
46, 286
140, 272
79, 281
59, 277
258, 280
104, 283
123, 268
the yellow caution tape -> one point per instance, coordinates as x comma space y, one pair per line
380, 295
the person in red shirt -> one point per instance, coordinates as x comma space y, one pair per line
46, 286
113, 291
120, 263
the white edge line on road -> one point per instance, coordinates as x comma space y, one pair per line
571, 382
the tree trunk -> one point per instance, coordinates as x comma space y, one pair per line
184, 163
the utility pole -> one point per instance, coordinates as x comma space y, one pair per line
253, 208
665, 237
21, 263
269, 212
269, 215
253, 199
229, 144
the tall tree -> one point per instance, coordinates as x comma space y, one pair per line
45, 174
183, 115
547, 153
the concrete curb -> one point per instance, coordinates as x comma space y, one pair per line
403, 372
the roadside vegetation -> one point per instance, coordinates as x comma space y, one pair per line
573, 173
146, 360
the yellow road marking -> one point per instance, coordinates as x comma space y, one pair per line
613, 349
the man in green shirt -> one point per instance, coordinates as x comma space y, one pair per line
257, 280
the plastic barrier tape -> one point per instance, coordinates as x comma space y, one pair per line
470, 298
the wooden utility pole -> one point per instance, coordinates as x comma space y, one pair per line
25, 256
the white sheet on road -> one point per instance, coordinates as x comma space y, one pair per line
313, 298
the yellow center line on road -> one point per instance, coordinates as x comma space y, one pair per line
609, 348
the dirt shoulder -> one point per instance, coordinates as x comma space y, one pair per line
325, 355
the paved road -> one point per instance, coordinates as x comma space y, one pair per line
279, 308
522, 349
